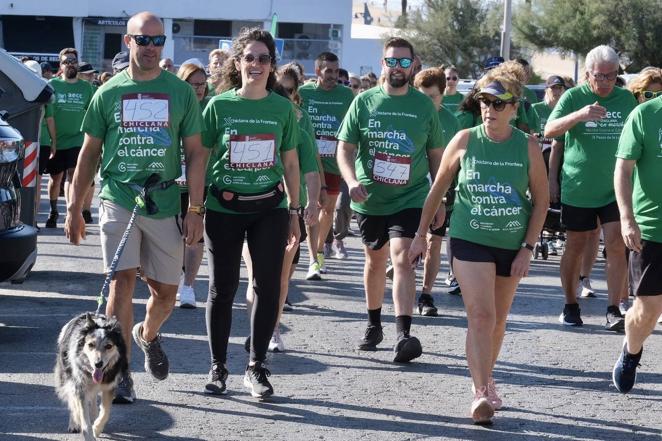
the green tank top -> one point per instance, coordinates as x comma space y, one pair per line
491, 206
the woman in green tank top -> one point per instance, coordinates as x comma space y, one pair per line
494, 223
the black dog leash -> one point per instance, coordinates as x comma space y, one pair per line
142, 200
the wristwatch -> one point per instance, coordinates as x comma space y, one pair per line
197, 209
527, 246
294, 210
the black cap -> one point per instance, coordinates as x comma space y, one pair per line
120, 61
493, 62
86, 68
554, 80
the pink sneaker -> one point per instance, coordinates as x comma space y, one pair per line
481, 408
492, 395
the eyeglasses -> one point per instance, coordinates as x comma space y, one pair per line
261, 59
648, 94
343, 82
392, 62
69, 61
144, 40
498, 105
453, 78
611, 76
198, 85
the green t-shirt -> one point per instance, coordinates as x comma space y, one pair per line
491, 207
530, 95
326, 109
44, 136
70, 102
641, 141
541, 112
587, 175
449, 125
393, 134
247, 137
467, 119
141, 124
307, 152
452, 102
181, 181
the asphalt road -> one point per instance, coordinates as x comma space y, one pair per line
555, 381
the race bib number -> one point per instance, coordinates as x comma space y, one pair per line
252, 151
326, 145
392, 170
145, 110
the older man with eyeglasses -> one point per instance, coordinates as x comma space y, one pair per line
587, 122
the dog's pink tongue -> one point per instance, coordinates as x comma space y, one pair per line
97, 375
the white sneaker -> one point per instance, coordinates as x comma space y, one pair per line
187, 297
313, 272
276, 343
179, 287
341, 252
587, 290
623, 306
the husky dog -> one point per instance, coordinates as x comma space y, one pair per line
91, 358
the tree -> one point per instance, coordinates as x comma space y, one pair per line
632, 28
460, 32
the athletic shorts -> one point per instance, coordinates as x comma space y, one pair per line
473, 252
376, 231
63, 160
586, 219
154, 245
44, 154
302, 238
646, 269
332, 183
441, 231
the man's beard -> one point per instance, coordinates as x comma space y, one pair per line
70, 73
397, 82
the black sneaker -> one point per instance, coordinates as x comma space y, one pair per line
156, 361
571, 315
625, 370
373, 336
615, 320
256, 380
407, 348
426, 306
287, 307
454, 287
87, 217
51, 222
218, 375
124, 392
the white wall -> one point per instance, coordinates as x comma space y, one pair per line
362, 52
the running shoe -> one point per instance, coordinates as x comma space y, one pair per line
51, 222
276, 343
156, 361
373, 336
328, 251
407, 348
287, 307
179, 287
321, 259
124, 392
571, 315
492, 394
615, 320
218, 375
454, 288
426, 306
314, 271
340, 251
87, 217
389, 271
623, 306
449, 279
624, 374
187, 297
586, 289
256, 380
481, 408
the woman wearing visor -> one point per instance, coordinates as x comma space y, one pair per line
494, 223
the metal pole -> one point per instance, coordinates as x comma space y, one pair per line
507, 25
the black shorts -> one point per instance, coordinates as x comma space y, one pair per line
378, 230
44, 154
646, 269
586, 219
302, 238
441, 231
473, 252
63, 160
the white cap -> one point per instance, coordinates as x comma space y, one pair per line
195, 61
34, 66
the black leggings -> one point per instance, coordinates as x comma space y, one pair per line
266, 234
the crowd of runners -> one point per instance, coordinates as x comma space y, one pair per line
250, 160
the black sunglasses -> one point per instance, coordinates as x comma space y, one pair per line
498, 105
144, 40
392, 62
261, 59
343, 82
451, 78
